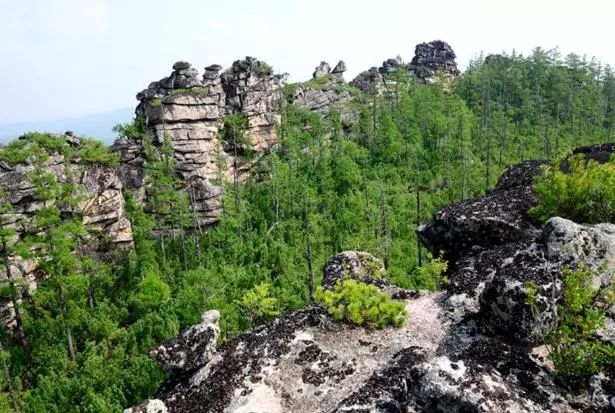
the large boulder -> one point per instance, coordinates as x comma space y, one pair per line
191, 349
433, 62
499, 256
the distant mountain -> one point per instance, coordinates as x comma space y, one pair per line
97, 125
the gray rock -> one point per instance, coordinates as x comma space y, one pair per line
321, 70
434, 61
181, 65
102, 210
339, 68
191, 349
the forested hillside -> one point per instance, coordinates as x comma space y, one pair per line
326, 186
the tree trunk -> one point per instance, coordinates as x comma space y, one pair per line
67, 331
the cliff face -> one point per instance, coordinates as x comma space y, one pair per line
102, 209
474, 347
189, 110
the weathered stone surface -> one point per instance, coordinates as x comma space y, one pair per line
433, 61
191, 349
339, 68
495, 249
330, 92
189, 110
323, 69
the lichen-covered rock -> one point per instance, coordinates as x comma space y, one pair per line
433, 62
467, 349
149, 406
498, 255
189, 111
191, 349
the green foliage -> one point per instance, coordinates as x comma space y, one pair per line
430, 276
133, 131
586, 194
575, 351
319, 82
233, 134
258, 305
155, 103
361, 304
91, 151
199, 91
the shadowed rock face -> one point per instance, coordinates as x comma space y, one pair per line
494, 249
189, 111
102, 210
432, 61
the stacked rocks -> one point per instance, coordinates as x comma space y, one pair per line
326, 91
432, 61
189, 110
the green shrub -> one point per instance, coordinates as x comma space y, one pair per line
156, 103
430, 276
361, 304
587, 194
258, 305
575, 351
92, 151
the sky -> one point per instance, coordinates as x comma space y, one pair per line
68, 58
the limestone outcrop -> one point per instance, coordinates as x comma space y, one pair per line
189, 111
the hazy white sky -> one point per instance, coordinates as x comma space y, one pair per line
63, 58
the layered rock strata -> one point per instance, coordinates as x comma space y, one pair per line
189, 111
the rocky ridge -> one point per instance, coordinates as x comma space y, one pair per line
102, 209
189, 109
433, 62
471, 348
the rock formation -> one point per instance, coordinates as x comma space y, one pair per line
102, 207
189, 111
433, 62
326, 91
465, 349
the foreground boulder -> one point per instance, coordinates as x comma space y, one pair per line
305, 361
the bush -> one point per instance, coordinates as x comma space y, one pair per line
430, 276
361, 304
258, 305
586, 194
95, 152
575, 351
